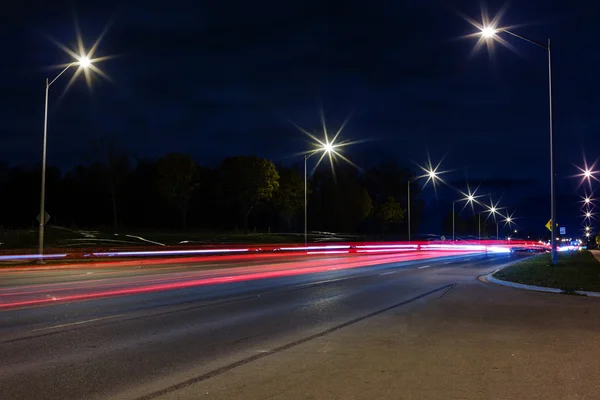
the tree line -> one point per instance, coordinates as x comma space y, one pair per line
243, 193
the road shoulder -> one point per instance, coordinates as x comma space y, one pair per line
477, 341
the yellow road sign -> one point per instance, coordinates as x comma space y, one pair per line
549, 225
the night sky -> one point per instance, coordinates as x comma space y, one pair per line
220, 78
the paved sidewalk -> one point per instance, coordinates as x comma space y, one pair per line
479, 341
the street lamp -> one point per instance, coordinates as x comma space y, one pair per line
469, 200
490, 32
326, 148
494, 211
83, 62
491, 210
508, 221
432, 175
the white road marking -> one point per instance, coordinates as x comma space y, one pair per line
424, 266
320, 282
449, 262
77, 323
387, 273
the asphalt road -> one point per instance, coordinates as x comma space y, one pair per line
158, 343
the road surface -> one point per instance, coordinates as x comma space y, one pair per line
290, 336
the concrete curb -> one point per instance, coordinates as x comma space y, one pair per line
491, 279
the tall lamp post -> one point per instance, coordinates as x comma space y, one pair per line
508, 221
490, 32
469, 199
83, 62
493, 210
431, 175
326, 148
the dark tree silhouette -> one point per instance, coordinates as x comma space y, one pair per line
246, 181
289, 199
177, 181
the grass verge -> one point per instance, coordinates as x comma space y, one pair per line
577, 270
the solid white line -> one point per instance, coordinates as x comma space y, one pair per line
424, 266
320, 282
77, 323
387, 273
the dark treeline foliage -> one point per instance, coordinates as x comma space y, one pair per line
114, 191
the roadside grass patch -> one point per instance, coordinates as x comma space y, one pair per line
576, 270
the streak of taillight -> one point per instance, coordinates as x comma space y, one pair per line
213, 280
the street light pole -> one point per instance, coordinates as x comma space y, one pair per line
305, 203
408, 191
326, 149
432, 175
490, 32
552, 163
453, 219
43, 189
42, 216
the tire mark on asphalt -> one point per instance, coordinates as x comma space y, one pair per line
447, 290
279, 349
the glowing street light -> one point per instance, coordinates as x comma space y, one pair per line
84, 62
490, 31
587, 172
325, 147
492, 210
432, 174
587, 228
469, 198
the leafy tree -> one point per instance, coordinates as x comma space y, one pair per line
177, 181
289, 199
390, 212
246, 181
